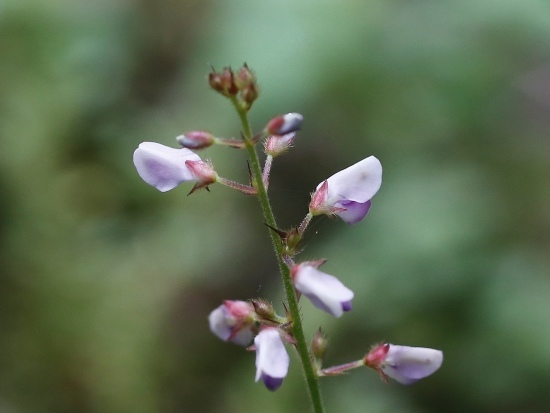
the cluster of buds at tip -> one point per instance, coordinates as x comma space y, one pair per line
229, 84
404, 364
165, 168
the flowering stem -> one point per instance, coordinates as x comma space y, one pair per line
297, 329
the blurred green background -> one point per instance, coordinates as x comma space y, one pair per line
106, 284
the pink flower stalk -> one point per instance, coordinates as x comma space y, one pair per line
233, 321
404, 364
347, 193
324, 290
271, 358
165, 168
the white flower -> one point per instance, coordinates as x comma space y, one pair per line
404, 364
347, 193
233, 321
271, 358
324, 290
164, 167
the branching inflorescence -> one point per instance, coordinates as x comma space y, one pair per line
346, 194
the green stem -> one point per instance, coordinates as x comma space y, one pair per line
297, 329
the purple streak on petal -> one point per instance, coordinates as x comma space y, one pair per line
354, 211
346, 306
272, 383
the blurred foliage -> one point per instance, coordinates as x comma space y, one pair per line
106, 283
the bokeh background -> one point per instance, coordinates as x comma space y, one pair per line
106, 284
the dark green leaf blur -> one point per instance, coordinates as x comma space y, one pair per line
106, 283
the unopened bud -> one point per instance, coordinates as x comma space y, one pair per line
281, 125
196, 140
264, 309
293, 239
277, 145
244, 78
223, 82
319, 344
249, 94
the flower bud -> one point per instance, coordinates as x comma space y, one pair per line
245, 78
249, 94
276, 145
264, 309
233, 321
196, 140
223, 82
404, 364
281, 125
319, 344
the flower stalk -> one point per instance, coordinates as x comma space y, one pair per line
310, 374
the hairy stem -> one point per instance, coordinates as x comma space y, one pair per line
297, 329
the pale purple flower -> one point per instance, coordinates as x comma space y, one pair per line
165, 168
348, 193
271, 358
233, 321
324, 290
404, 364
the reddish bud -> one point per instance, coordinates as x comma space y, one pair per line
281, 125
223, 82
244, 78
196, 140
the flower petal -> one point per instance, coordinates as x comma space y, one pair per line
324, 290
271, 358
410, 364
359, 182
163, 167
353, 212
